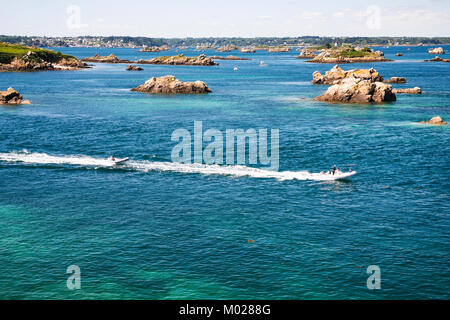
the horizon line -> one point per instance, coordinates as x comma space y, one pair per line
224, 37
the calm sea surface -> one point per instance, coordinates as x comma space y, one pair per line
170, 234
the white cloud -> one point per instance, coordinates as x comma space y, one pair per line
311, 15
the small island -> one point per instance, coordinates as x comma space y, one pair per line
201, 60
21, 58
171, 85
348, 55
133, 68
228, 58
279, 49
106, 59
438, 50
354, 86
155, 48
438, 59
181, 59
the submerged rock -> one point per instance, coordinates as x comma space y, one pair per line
415, 90
171, 85
396, 80
134, 68
435, 120
336, 75
355, 90
12, 96
439, 50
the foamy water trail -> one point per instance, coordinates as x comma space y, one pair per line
147, 166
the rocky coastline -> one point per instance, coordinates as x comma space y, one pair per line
42, 61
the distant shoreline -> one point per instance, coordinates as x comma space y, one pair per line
139, 42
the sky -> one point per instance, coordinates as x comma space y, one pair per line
227, 18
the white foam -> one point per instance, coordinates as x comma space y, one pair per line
147, 166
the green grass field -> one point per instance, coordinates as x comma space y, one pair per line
9, 51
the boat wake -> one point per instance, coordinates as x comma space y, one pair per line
83, 161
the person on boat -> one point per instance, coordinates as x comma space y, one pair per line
111, 158
334, 169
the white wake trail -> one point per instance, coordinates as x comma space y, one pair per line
147, 166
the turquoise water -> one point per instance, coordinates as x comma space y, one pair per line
168, 234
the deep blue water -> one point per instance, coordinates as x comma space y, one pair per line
173, 235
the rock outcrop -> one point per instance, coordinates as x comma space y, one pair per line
279, 49
134, 68
229, 58
438, 59
354, 90
306, 54
105, 59
171, 85
248, 50
155, 49
435, 120
12, 97
396, 80
201, 60
227, 48
415, 90
336, 75
439, 50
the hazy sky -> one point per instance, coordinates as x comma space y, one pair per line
227, 18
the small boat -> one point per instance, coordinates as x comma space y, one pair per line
235, 69
120, 161
344, 175
328, 175
261, 63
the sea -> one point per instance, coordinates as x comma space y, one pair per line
73, 226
